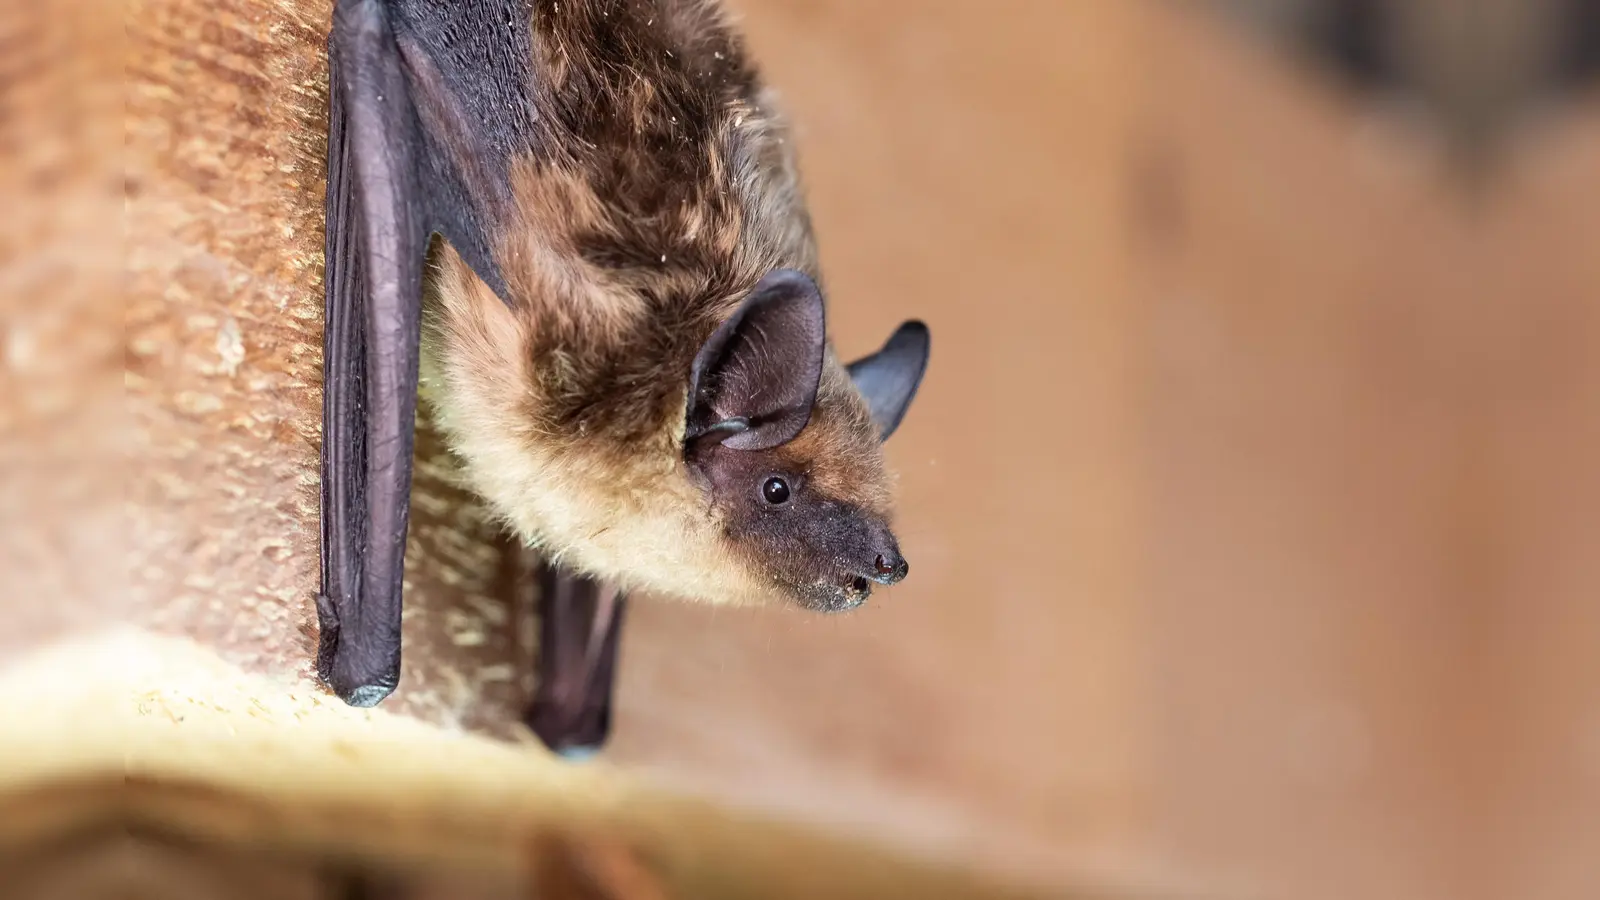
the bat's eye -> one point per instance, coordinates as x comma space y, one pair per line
775, 491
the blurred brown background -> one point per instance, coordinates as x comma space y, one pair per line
1248, 497
1250, 491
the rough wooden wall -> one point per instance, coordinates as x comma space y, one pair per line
227, 118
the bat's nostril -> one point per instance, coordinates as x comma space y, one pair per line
889, 569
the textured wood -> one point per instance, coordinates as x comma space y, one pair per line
159, 764
61, 435
227, 124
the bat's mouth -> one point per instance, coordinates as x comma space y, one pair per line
853, 592
845, 593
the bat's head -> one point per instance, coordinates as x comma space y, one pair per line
768, 485
785, 442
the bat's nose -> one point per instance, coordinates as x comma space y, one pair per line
890, 568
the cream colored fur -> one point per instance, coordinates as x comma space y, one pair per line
635, 520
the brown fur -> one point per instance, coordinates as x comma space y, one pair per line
665, 187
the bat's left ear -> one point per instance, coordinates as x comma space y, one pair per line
755, 379
889, 378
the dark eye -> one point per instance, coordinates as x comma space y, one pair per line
775, 490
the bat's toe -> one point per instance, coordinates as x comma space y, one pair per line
367, 695
358, 675
578, 754
572, 734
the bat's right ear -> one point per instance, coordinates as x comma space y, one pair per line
755, 379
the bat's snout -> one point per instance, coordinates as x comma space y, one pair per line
875, 558
882, 563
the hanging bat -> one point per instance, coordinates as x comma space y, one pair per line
584, 221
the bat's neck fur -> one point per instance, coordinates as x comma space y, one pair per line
659, 189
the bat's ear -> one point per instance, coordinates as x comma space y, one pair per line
755, 379
889, 378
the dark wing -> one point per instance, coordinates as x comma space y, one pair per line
579, 628
413, 90
428, 105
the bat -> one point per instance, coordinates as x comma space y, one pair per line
582, 224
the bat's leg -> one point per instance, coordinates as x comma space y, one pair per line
372, 283
580, 623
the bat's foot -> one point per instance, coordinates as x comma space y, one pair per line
576, 735
580, 622
365, 695
359, 675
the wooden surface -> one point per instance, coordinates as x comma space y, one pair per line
227, 126
158, 769
1249, 497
